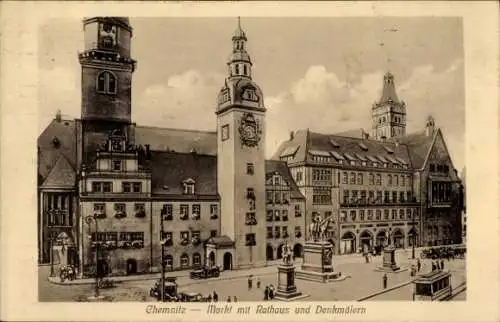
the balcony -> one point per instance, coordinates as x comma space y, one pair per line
120, 214
377, 202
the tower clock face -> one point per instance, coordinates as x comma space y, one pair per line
249, 130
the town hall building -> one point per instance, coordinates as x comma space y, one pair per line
114, 195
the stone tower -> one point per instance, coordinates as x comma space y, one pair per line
106, 81
241, 159
389, 113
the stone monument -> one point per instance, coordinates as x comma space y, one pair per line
318, 255
287, 291
389, 262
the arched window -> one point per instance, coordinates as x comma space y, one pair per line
245, 70
184, 260
237, 69
106, 83
389, 179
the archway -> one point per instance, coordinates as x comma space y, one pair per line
228, 261
381, 238
297, 251
279, 253
366, 241
211, 259
398, 238
412, 237
131, 266
269, 253
348, 243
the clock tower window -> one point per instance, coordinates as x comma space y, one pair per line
106, 83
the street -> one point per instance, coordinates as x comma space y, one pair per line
364, 280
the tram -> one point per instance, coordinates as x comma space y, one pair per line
433, 286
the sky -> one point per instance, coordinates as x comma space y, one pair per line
318, 73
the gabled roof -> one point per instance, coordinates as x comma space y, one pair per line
171, 169
280, 167
62, 174
419, 145
177, 140
64, 131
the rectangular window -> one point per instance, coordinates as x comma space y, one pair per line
184, 235
389, 179
401, 214
352, 215
371, 179
394, 213
214, 211
371, 195
250, 219
196, 211
395, 196
184, 211
140, 209
285, 197
270, 232
117, 165
402, 181
343, 216
250, 168
322, 175
269, 215
379, 180
370, 215
166, 212
396, 181
285, 232
409, 195
269, 197
126, 187
298, 213
360, 178
346, 196
100, 208
401, 196
298, 176
276, 180
344, 178
298, 233
277, 232
137, 187
386, 196
250, 240
99, 186
362, 215
378, 214
213, 233
352, 178
120, 207
277, 215
277, 197
386, 214
225, 132
322, 196
284, 214
379, 196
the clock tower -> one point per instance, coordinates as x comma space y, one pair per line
241, 158
106, 82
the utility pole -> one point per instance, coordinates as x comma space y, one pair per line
162, 243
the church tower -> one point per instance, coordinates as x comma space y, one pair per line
106, 81
389, 113
241, 158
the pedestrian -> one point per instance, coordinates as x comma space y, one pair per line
258, 282
418, 265
366, 258
215, 296
229, 298
250, 282
384, 280
271, 292
209, 298
235, 299
266, 293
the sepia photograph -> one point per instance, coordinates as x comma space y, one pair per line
249, 161
181, 157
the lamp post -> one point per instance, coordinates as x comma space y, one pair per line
89, 220
162, 244
51, 243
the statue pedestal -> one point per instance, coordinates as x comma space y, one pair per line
316, 265
287, 290
389, 262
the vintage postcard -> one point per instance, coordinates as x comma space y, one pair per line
251, 165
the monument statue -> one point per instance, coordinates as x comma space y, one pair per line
287, 252
318, 228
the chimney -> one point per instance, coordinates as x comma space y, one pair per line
58, 116
291, 135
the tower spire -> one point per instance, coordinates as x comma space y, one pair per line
239, 62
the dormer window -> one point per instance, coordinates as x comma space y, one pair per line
106, 83
189, 186
117, 165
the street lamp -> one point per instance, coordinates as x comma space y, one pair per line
89, 220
